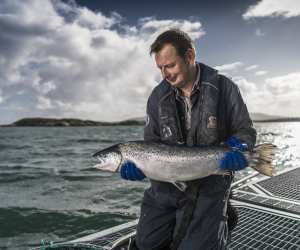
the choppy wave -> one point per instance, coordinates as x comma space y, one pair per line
4, 147
78, 177
17, 174
60, 225
85, 140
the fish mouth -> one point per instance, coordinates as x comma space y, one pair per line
108, 167
100, 160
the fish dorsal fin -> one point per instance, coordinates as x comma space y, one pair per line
180, 185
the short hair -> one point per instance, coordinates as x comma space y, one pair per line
179, 39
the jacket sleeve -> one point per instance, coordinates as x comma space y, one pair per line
151, 130
238, 119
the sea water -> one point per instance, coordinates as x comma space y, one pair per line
49, 190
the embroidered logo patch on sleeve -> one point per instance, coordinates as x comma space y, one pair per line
212, 122
166, 131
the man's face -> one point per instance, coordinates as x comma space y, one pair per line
175, 69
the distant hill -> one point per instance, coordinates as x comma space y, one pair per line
69, 122
73, 122
260, 117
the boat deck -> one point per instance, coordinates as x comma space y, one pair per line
269, 217
269, 211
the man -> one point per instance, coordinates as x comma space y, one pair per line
195, 106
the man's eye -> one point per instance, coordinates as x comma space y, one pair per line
170, 66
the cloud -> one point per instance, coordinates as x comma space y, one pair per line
258, 32
252, 67
152, 26
44, 103
251, 92
261, 73
95, 21
229, 67
246, 87
273, 8
59, 59
274, 95
280, 95
1, 97
284, 85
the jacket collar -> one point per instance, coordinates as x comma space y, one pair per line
207, 74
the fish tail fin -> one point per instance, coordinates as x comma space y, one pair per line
261, 158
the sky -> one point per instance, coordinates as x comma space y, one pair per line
90, 59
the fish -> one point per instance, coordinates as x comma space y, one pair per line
177, 163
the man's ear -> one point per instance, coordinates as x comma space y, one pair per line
190, 56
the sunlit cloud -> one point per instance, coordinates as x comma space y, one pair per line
251, 93
282, 85
229, 67
282, 94
273, 8
246, 87
261, 73
58, 59
252, 67
153, 27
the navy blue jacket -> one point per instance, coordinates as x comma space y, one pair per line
218, 112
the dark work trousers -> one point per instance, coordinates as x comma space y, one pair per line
161, 216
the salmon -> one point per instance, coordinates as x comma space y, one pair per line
177, 163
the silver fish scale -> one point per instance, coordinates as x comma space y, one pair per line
173, 163
164, 150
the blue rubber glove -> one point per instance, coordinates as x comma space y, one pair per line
235, 143
129, 171
234, 160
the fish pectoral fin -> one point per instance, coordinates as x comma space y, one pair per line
180, 185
